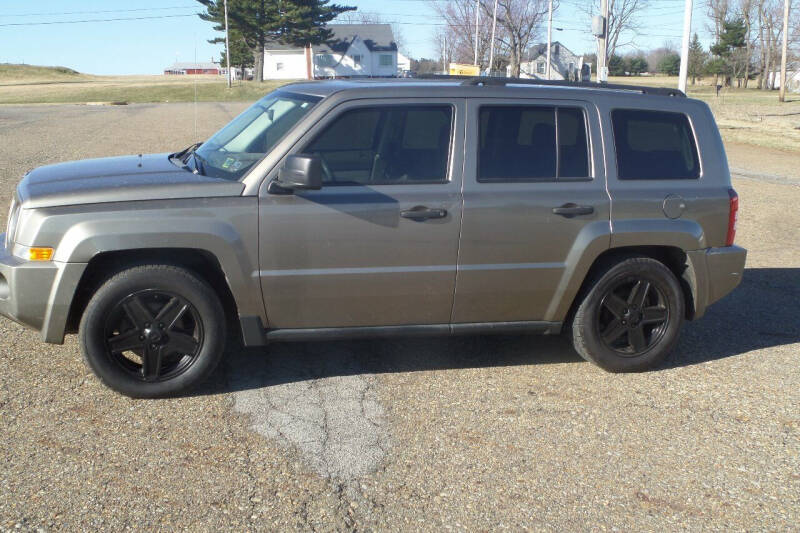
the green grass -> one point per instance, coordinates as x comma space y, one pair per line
13, 73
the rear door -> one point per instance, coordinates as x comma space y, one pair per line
534, 203
378, 244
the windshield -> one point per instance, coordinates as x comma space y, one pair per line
231, 151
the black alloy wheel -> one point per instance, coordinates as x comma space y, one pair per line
633, 317
154, 335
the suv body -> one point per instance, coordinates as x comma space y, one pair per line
444, 207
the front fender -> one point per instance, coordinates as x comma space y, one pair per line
226, 228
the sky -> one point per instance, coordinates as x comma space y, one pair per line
83, 35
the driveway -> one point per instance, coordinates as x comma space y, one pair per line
477, 433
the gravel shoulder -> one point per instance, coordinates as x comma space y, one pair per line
473, 433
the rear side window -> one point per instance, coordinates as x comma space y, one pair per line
654, 145
532, 143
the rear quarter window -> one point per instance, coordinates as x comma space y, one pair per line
654, 145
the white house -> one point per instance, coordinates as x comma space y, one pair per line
355, 50
564, 65
792, 78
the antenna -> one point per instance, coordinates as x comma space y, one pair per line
195, 87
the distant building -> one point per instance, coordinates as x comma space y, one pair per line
355, 50
193, 68
564, 65
792, 78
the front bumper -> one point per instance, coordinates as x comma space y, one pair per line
38, 294
717, 271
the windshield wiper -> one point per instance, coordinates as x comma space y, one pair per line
199, 164
186, 151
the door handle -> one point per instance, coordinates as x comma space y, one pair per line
571, 210
420, 213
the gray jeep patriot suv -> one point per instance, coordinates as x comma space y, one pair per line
352, 208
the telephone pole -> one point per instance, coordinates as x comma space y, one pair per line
549, 36
782, 93
491, 47
477, 22
687, 29
602, 61
227, 46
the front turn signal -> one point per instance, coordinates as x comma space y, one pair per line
40, 254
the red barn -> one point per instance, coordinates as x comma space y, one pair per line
193, 68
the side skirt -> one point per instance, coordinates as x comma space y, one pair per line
480, 328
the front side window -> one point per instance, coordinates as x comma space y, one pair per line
540, 67
654, 145
386, 145
532, 143
236, 147
385, 60
325, 60
357, 59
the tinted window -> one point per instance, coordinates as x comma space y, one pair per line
386, 145
519, 143
654, 145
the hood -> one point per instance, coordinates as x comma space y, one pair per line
118, 179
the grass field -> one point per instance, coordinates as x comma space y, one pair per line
745, 116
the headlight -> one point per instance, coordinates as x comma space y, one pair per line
11, 226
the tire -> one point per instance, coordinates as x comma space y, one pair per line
630, 318
153, 331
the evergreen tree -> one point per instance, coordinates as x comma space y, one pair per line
698, 58
616, 66
732, 39
670, 64
637, 65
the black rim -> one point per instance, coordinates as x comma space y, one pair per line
153, 335
633, 316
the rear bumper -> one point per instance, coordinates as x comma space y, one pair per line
38, 295
717, 271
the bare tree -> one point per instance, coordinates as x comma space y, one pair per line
519, 24
623, 20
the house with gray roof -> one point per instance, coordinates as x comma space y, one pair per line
355, 50
564, 65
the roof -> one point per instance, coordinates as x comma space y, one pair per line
451, 86
191, 65
376, 37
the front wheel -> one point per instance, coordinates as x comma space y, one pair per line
153, 331
631, 317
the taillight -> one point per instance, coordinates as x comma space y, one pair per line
733, 216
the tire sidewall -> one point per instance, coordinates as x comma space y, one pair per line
664, 280
113, 291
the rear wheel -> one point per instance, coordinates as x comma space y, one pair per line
152, 331
631, 317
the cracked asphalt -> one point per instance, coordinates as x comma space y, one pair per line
471, 433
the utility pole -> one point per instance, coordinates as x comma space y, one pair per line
549, 36
782, 93
477, 22
227, 46
602, 62
491, 46
687, 29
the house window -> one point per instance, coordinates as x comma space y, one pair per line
357, 59
540, 67
325, 60
571, 66
386, 60
278, 66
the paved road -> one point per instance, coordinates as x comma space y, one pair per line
468, 433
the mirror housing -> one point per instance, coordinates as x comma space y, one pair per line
301, 172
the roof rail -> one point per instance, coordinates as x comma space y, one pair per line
496, 81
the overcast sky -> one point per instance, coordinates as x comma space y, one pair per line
164, 31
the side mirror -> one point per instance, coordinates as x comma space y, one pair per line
301, 171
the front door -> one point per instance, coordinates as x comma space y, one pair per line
378, 244
534, 203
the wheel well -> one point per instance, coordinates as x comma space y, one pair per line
106, 264
673, 258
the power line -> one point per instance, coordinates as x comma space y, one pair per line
100, 11
95, 20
